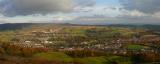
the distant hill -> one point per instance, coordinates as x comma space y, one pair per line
17, 26
147, 26
14, 26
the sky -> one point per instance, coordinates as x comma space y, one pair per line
80, 11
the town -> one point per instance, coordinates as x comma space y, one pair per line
79, 44
91, 38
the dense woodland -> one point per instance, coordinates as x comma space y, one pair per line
79, 44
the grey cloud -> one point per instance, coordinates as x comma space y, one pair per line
29, 7
85, 3
146, 6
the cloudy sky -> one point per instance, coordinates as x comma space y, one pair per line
80, 11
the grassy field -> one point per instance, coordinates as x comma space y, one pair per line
136, 47
53, 56
59, 56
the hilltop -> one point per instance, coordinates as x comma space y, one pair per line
16, 26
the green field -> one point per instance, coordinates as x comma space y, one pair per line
59, 56
136, 47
